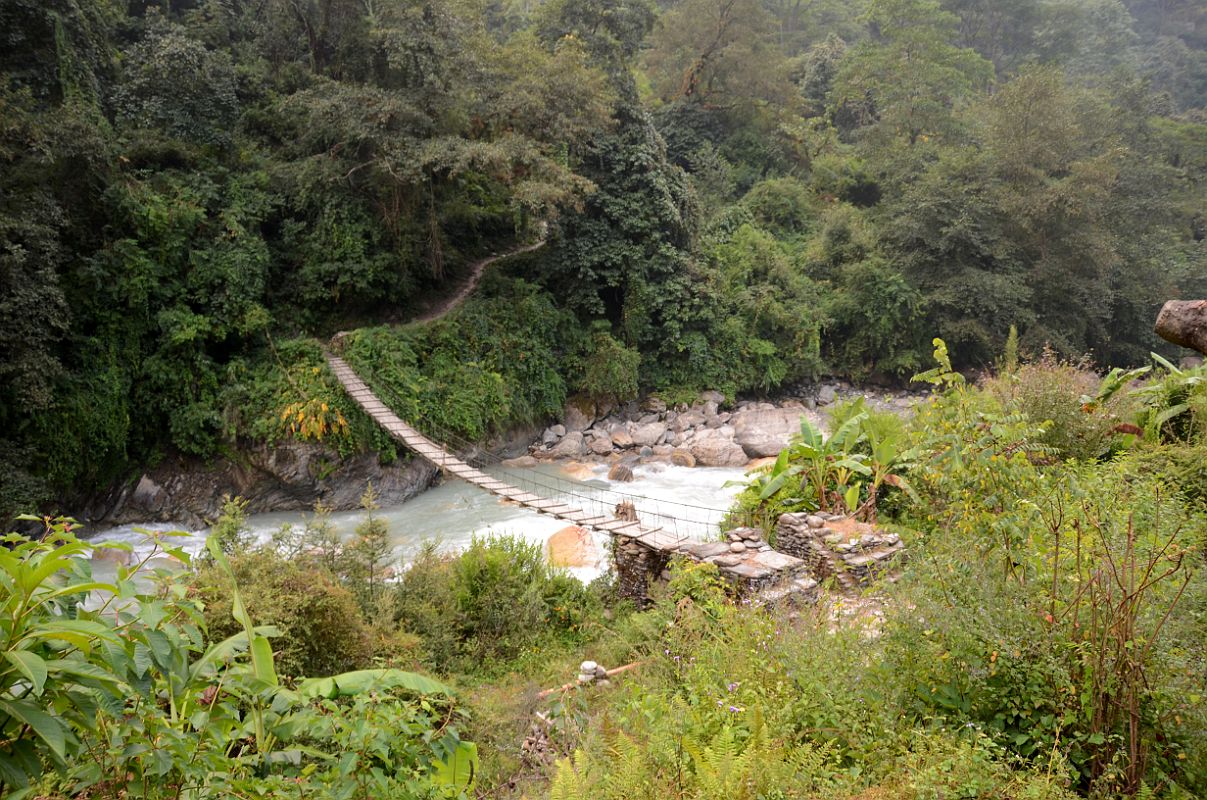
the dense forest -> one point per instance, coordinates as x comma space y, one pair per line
736, 194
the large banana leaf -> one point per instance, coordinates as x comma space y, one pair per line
349, 684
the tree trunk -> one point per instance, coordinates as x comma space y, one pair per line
1184, 322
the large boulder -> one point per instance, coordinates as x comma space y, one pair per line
572, 547
691, 418
655, 404
762, 433
683, 458
621, 472
714, 448
520, 462
580, 415
571, 446
600, 444
621, 438
648, 434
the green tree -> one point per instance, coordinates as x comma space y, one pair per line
909, 71
717, 54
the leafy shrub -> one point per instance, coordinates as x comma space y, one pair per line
487, 604
872, 319
290, 393
1052, 392
782, 205
610, 370
1025, 621
494, 362
1180, 467
322, 630
111, 690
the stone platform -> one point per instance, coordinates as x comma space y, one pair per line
853, 553
753, 569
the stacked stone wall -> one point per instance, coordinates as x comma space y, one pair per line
853, 553
751, 567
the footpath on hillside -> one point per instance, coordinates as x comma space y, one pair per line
476, 269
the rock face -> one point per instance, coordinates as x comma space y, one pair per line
714, 449
290, 476
763, 433
1184, 322
579, 415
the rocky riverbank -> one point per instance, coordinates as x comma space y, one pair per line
287, 476
293, 476
707, 433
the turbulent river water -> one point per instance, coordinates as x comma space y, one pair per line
453, 512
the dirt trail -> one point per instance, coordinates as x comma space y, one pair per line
475, 274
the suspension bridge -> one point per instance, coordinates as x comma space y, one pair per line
659, 524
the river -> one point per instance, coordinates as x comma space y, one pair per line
688, 501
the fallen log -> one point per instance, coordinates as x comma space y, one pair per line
1184, 322
568, 686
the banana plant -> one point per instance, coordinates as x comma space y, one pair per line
888, 462
765, 483
1174, 404
829, 465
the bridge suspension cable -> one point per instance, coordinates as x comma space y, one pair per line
578, 502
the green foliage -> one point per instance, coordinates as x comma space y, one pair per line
1053, 393
123, 694
610, 370
487, 605
739, 702
319, 619
910, 75
494, 362
172, 83
1010, 352
230, 529
769, 311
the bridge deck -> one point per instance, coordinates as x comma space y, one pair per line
449, 463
